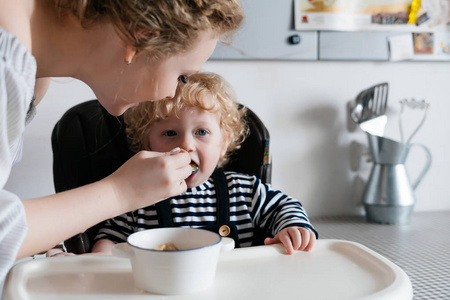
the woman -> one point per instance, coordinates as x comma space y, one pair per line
127, 52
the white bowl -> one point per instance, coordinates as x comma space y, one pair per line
191, 268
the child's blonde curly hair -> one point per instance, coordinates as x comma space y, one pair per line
160, 28
192, 93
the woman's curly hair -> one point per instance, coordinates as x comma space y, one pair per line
192, 93
177, 22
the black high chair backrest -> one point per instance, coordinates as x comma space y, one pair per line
89, 144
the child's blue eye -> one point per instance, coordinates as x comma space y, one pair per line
170, 133
202, 132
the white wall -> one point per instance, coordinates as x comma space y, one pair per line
303, 105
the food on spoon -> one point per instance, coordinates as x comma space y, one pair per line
194, 167
166, 247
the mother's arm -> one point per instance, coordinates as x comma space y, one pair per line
145, 179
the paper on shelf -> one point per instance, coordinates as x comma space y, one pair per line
401, 47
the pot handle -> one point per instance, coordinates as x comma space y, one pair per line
122, 250
426, 167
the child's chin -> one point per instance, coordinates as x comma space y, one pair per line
194, 181
192, 184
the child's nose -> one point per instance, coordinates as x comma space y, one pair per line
188, 143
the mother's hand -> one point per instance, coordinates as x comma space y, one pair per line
149, 177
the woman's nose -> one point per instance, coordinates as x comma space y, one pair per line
171, 89
170, 94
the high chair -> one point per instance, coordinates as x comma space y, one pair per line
89, 144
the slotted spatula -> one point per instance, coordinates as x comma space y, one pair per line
370, 108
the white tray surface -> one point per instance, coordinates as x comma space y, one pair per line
335, 269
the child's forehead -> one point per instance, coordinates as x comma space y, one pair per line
198, 99
195, 111
182, 107
189, 116
206, 103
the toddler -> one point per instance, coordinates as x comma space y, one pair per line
204, 120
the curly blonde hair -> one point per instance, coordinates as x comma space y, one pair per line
177, 22
190, 94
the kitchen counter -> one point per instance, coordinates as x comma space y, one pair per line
420, 247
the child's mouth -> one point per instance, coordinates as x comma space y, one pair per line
194, 167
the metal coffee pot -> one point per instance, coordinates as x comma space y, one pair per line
389, 195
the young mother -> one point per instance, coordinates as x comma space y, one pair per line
127, 51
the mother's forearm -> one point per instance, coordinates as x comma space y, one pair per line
52, 219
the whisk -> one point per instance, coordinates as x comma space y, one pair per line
413, 104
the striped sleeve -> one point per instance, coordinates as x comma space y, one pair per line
275, 211
117, 229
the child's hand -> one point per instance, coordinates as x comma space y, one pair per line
294, 238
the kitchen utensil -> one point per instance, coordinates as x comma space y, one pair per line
370, 103
370, 108
388, 196
375, 126
413, 104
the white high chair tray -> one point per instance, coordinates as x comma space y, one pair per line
335, 269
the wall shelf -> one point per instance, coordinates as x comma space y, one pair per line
269, 33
